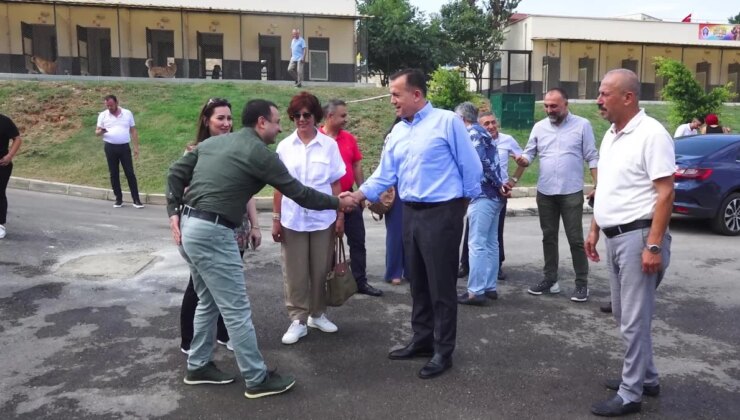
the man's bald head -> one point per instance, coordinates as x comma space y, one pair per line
625, 80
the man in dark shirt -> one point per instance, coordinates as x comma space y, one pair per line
8, 132
222, 175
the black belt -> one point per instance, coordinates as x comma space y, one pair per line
207, 215
417, 205
613, 231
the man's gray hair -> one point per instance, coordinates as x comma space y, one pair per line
487, 114
629, 82
332, 106
467, 111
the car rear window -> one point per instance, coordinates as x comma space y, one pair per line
702, 145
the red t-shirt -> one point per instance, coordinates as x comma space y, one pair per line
350, 155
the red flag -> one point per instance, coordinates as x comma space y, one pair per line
687, 18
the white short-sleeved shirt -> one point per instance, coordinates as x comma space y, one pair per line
317, 165
684, 130
117, 126
629, 163
506, 146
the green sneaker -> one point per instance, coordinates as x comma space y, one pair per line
207, 374
272, 385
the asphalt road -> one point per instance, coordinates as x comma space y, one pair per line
89, 328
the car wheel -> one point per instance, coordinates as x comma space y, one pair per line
727, 221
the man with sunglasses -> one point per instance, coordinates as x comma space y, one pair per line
335, 119
221, 176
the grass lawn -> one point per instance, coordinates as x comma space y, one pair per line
57, 123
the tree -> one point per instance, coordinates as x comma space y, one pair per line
397, 36
734, 19
476, 33
687, 97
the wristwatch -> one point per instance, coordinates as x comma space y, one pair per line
515, 179
653, 249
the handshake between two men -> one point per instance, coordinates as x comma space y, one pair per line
349, 200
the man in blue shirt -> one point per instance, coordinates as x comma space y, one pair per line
430, 157
483, 214
563, 142
297, 57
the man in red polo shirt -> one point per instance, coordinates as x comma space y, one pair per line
335, 113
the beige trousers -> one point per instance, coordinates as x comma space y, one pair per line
307, 259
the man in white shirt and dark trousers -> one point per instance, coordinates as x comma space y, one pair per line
116, 126
632, 207
563, 141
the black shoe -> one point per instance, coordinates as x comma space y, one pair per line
462, 271
366, 289
411, 351
606, 307
435, 367
542, 287
491, 294
208, 374
615, 406
465, 299
138, 205
118, 204
501, 274
648, 390
580, 294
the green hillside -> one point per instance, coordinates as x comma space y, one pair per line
57, 122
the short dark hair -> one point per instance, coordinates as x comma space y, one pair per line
561, 91
700, 119
308, 101
112, 97
255, 109
415, 78
332, 106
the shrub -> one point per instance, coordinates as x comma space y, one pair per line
688, 99
447, 89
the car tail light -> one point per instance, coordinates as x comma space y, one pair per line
682, 210
698, 174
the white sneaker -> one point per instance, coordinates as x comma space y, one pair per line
295, 332
2, 231
322, 323
555, 288
228, 345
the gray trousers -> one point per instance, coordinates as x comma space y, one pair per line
633, 304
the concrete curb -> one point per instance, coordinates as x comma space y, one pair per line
263, 203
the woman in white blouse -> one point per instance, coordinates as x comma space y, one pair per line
307, 236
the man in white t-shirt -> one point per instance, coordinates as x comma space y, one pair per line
633, 205
297, 57
689, 129
116, 126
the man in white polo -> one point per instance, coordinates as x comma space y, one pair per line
297, 57
632, 207
116, 126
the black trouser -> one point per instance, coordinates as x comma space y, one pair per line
465, 258
121, 153
354, 228
5, 172
431, 237
187, 314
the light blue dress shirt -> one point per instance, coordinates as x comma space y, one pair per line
506, 146
431, 159
562, 149
296, 48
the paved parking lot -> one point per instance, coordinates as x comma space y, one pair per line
89, 328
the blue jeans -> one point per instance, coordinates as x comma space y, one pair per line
483, 219
218, 278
